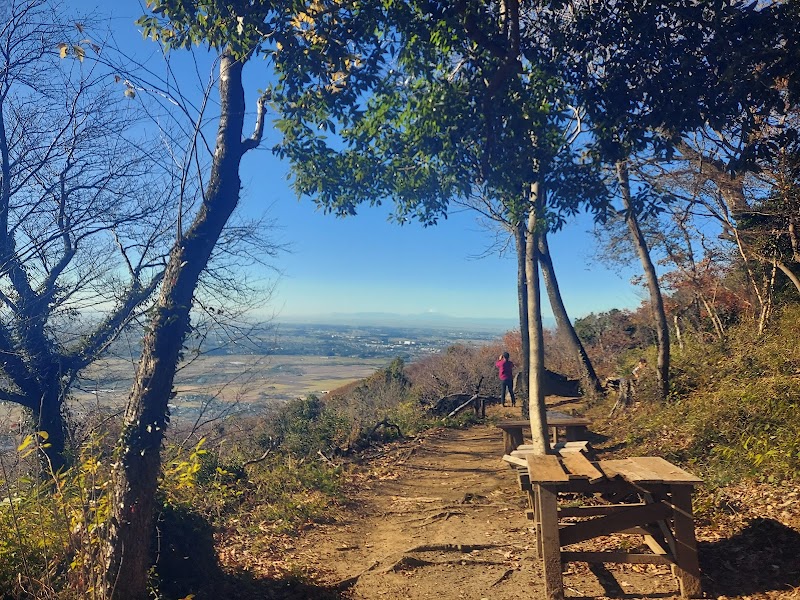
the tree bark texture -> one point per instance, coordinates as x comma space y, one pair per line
656, 299
538, 411
135, 477
588, 375
522, 300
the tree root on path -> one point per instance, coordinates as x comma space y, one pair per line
402, 459
348, 582
503, 577
442, 515
465, 548
412, 562
454, 509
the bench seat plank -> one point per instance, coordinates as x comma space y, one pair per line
647, 469
552, 421
515, 460
577, 464
545, 468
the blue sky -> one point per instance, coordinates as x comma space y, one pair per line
367, 264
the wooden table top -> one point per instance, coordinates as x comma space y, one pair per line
556, 419
550, 468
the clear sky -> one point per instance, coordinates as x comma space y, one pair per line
367, 264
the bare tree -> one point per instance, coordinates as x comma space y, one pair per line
81, 227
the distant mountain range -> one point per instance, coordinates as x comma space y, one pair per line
427, 320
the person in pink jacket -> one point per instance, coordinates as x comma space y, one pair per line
505, 370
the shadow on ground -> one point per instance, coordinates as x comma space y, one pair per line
762, 557
187, 566
242, 586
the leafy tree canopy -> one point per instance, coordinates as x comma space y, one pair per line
467, 100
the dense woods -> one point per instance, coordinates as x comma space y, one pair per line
674, 124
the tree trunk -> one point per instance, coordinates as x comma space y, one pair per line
538, 411
47, 416
522, 299
135, 476
656, 300
790, 274
588, 375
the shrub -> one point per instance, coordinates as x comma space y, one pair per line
734, 406
307, 426
52, 525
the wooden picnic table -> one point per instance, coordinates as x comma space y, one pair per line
574, 428
661, 513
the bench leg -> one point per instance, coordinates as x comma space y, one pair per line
512, 439
576, 433
687, 565
549, 543
553, 431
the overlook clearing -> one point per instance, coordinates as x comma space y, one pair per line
442, 516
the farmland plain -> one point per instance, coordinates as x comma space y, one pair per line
275, 366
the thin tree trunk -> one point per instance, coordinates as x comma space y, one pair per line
678, 334
538, 410
588, 375
656, 299
766, 310
712, 314
135, 477
522, 298
790, 274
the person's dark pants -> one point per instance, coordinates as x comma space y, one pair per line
507, 384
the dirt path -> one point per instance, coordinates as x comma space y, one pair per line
443, 519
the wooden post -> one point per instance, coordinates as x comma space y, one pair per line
687, 564
550, 543
535, 500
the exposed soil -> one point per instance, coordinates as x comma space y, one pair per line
441, 517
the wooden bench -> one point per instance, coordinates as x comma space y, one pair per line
661, 513
518, 458
574, 429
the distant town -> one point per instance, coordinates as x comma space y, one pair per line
370, 341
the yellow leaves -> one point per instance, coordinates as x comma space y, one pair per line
77, 50
338, 80
130, 91
302, 20
183, 472
32, 442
